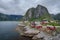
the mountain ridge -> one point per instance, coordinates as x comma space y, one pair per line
5, 17
36, 13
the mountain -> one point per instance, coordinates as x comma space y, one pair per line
56, 17
5, 17
40, 12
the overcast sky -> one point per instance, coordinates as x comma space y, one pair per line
19, 7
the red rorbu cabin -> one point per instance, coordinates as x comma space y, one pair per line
51, 28
38, 27
44, 22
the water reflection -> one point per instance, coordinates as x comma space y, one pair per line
8, 30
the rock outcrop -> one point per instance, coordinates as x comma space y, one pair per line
28, 33
38, 12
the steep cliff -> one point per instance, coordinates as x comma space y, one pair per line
40, 12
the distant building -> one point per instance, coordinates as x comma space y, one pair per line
44, 21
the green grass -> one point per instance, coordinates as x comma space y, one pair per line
54, 24
58, 30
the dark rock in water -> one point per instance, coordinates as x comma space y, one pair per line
38, 12
25, 38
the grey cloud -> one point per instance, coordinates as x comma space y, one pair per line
19, 7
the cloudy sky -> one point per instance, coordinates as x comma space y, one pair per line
19, 7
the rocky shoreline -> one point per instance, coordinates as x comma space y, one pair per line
30, 34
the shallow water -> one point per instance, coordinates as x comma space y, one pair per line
8, 30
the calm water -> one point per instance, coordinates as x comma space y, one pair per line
8, 30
